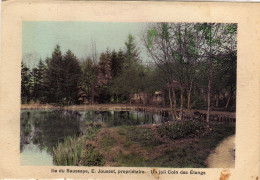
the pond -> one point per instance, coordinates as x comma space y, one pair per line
41, 130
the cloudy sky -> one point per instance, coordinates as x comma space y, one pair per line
40, 38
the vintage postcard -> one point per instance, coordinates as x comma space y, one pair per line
129, 90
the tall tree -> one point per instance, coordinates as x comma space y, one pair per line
133, 71
220, 39
72, 73
104, 76
89, 78
38, 74
62, 78
54, 78
172, 47
180, 49
26, 84
117, 64
131, 50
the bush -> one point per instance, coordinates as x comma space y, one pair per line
178, 130
91, 157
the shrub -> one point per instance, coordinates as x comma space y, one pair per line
91, 157
178, 130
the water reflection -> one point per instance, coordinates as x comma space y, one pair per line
41, 130
120, 118
33, 156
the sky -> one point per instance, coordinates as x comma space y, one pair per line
40, 38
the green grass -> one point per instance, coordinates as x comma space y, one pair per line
216, 134
130, 160
192, 154
122, 131
186, 157
143, 136
74, 149
107, 142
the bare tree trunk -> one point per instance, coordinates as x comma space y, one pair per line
210, 75
92, 94
209, 91
229, 97
189, 97
181, 110
170, 99
217, 100
174, 102
163, 99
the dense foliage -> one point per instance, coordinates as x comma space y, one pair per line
194, 67
179, 130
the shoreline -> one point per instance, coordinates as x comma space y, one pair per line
124, 107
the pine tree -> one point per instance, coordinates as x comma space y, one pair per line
25, 84
38, 74
62, 78
72, 73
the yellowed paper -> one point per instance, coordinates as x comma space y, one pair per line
247, 123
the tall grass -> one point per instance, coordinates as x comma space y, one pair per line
74, 151
69, 152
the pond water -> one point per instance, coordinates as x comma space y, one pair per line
41, 130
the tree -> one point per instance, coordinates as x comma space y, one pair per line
117, 65
38, 74
127, 72
62, 78
220, 39
104, 76
180, 50
173, 48
132, 72
26, 84
89, 78
117, 62
131, 50
72, 73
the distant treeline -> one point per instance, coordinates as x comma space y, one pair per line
194, 66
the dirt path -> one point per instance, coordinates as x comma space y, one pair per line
224, 154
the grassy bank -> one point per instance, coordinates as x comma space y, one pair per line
77, 151
170, 145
